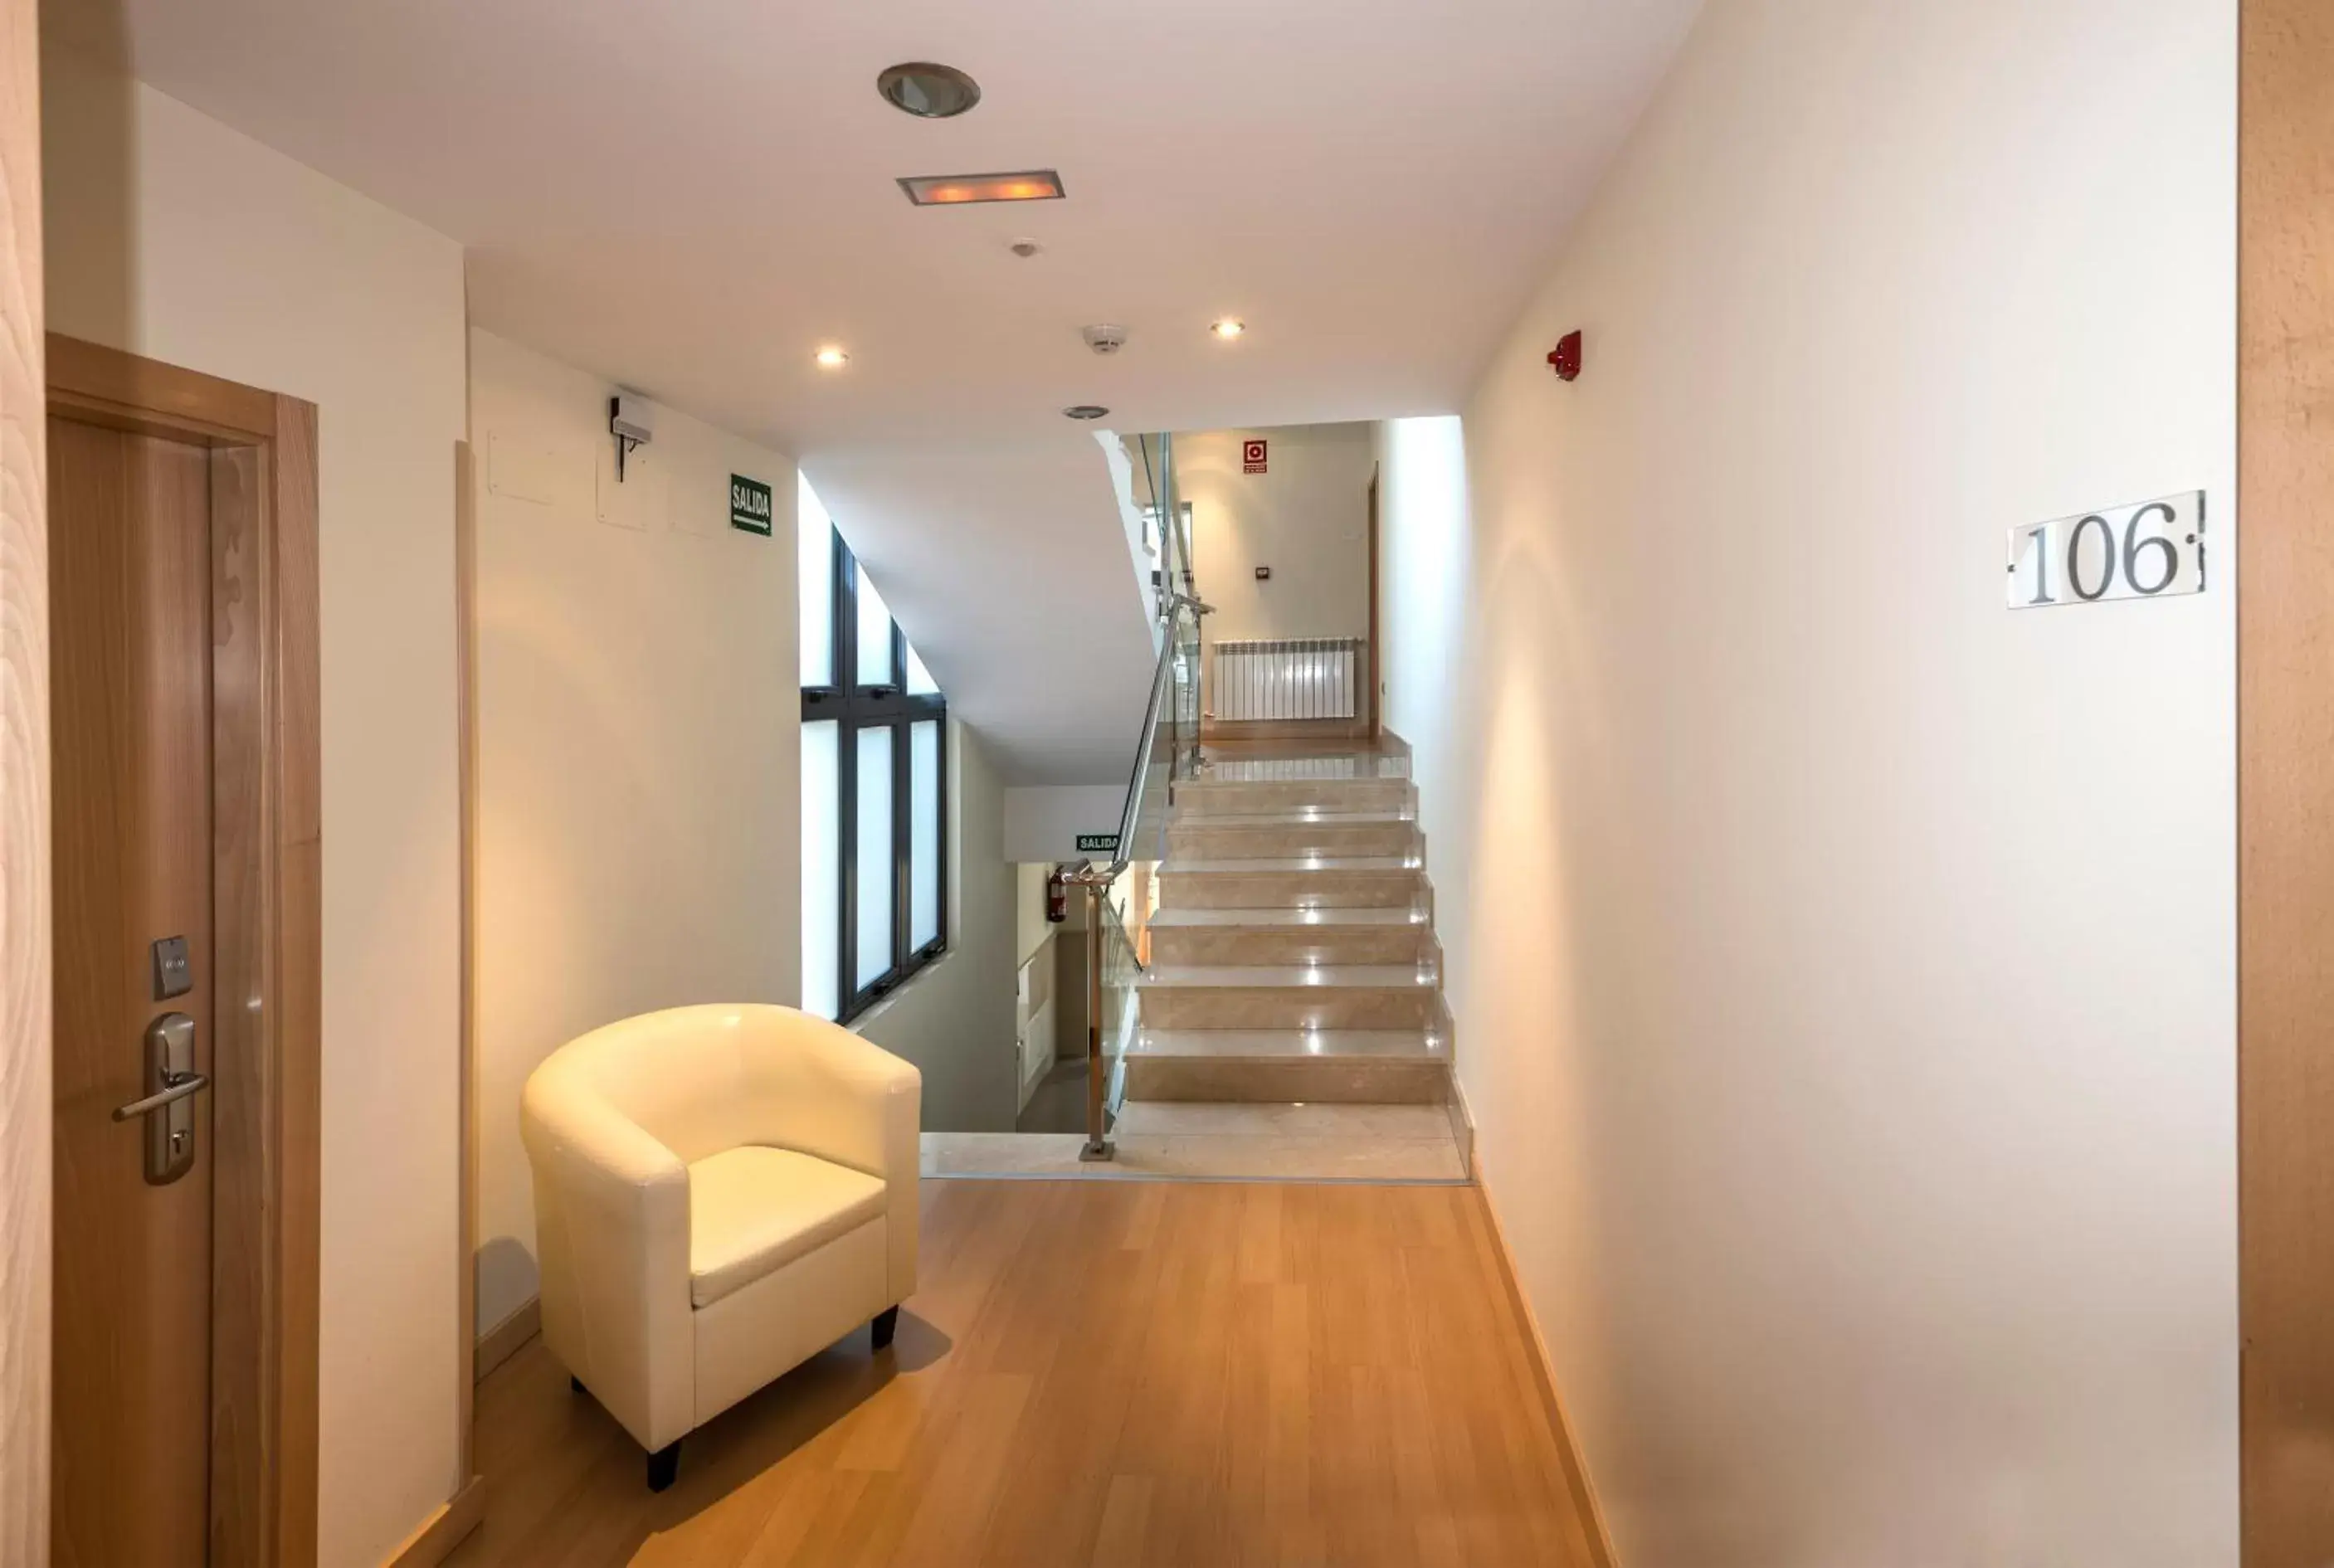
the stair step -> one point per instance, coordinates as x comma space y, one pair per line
1345, 1066
1247, 766
1333, 916
1396, 935
1290, 996
1212, 797
1297, 882
1196, 865
1403, 977
1411, 1045
1260, 835
1268, 1153
1288, 816
1279, 1118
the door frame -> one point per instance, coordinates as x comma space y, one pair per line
27, 1158
2285, 777
1377, 666
268, 931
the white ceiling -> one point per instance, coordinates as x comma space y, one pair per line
691, 195
688, 196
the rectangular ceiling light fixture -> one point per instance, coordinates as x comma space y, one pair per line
951, 190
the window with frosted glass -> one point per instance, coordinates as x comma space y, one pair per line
875, 665
874, 765
924, 829
822, 867
920, 679
874, 825
815, 569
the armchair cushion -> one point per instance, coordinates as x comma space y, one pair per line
754, 1209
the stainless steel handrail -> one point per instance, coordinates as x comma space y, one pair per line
1162, 681
1095, 881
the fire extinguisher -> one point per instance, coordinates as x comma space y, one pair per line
1057, 898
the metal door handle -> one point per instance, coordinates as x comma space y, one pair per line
171, 1074
176, 1086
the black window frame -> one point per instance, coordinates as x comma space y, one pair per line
854, 707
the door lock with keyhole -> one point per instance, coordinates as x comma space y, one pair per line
169, 1107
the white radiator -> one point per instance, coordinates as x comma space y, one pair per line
1293, 677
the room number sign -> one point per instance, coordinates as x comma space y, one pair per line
2151, 550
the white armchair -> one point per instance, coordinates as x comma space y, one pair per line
720, 1193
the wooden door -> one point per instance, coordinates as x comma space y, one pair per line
130, 575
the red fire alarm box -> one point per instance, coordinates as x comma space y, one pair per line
1566, 356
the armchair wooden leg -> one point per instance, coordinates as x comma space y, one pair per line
663, 1466
886, 1324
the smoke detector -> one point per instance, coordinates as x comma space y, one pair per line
1103, 338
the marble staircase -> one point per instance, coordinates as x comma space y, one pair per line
1292, 956
1290, 1022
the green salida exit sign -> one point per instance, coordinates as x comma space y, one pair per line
749, 505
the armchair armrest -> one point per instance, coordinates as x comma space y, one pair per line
848, 1100
612, 1214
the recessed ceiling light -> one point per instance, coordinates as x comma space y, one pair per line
927, 91
1228, 329
831, 358
1085, 411
955, 189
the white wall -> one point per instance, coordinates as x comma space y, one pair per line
956, 1020
173, 236
1036, 1016
1043, 822
1307, 517
638, 719
1424, 582
1842, 964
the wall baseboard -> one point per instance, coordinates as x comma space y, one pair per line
508, 1337
1463, 1125
446, 1529
1576, 1466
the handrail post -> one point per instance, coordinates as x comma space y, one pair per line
1098, 1145
1195, 753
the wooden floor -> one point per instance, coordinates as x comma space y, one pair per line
1143, 1375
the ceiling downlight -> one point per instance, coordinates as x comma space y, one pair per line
927, 91
1085, 411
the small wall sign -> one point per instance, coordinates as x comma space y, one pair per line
2151, 550
749, 505
1252, 457
1097, 843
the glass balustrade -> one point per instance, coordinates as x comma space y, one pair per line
1167, 750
